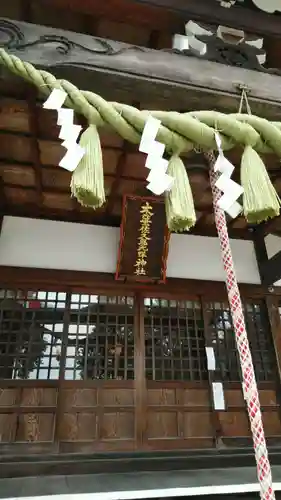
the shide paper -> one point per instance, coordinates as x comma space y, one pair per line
55, 100
158, 180
69, 132
230, 189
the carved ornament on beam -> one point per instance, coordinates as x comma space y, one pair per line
223, 45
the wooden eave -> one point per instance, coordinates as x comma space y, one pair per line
158, 78
32, 185
166, 15
238, 16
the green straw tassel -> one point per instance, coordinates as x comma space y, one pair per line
179, 204
260, 200
87, 183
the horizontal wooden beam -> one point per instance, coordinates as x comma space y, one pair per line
157, 78
251, 20
34, 212
81, 280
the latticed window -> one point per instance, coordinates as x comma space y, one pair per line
31, 326
174, 340
82, 336
223, 340
46, 335
100, 338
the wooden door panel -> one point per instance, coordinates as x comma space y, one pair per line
27, 414
234, 420
38, 397
117, 426
35, 427
8, 397
178, 415
234, 398
196, 397
78, 397
234, 424
77, 426
198, 425
162, 425
268, 398
272, 425
8, 423
117, 397
161, 396
99, 417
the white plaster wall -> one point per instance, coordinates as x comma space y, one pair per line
80, 247
199, 257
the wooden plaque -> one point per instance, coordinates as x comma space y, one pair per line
144, 240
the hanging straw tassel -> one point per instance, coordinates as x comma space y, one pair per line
87, 183
260, 200
179, 204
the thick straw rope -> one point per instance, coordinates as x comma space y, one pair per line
250, 389
179, 131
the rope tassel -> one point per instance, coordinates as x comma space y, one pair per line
179, 203
87, 183
260, 200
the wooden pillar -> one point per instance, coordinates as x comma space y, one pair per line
272, 307
2, 203
217, 427
5, 370
271, 300
260, 249
140, 382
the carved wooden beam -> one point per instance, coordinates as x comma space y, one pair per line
210, 11
119, 71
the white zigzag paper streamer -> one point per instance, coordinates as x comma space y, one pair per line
158, 180
69, 132
231, 190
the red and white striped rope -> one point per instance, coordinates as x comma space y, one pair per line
250, 389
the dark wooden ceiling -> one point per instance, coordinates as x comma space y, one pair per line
121, 20
33, 185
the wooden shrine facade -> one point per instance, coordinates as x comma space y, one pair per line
32, 185
89, 365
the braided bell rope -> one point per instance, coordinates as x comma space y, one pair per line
250, 389
180, 132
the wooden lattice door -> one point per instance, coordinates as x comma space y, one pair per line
178, 406
86, 372
178, 412
67, 371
